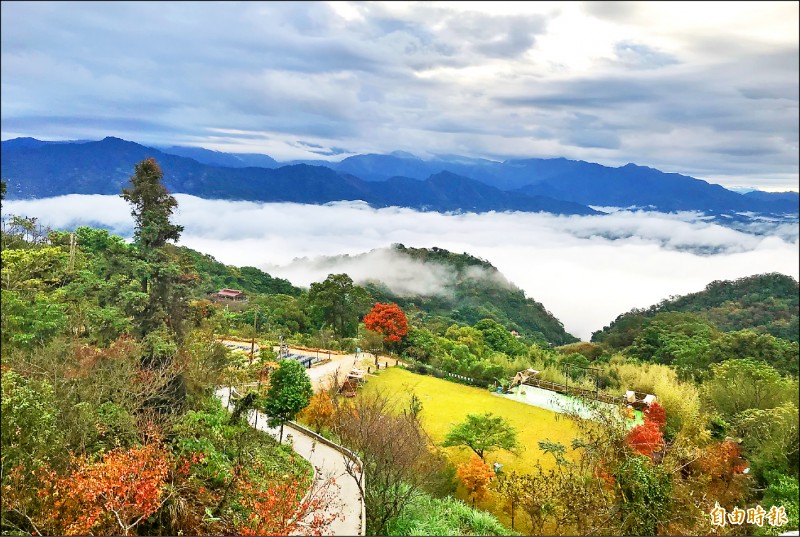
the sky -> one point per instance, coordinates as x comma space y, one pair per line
586, 270
704, 89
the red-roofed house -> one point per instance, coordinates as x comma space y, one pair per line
231, 294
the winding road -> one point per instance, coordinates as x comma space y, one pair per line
328, 463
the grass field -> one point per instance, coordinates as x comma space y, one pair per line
445, 403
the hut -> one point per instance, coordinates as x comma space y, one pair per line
231, 294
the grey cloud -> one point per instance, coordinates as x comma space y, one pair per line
586, 130
641, 56
588, 93
501, 37
615, 11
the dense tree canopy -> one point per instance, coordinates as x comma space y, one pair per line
289, 392
339, 303
483, 433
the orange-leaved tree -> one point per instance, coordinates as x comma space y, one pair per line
475, 476
111, 496
388, 320
319, 412
285, 508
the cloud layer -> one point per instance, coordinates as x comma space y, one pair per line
585, 269
708, 90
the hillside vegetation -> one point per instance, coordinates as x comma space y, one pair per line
478, 292
752, 317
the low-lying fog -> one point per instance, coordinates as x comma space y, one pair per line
585, 269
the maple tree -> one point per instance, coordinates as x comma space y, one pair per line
475, 476
723, 464
389, 320
111, 496
656, 413
115, 494
648, 438
645, 439
284, 508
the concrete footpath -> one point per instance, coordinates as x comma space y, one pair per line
328, 463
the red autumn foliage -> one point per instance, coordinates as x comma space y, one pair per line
389, 320
108, 497
284, 509
656, 414
723, 464
722, 460
606, 477
646, 439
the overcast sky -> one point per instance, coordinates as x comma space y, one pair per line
705, 89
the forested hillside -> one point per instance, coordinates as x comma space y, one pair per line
756, 316
478, 292
109, 420
213, 275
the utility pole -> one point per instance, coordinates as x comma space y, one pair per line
253, 341
72, 251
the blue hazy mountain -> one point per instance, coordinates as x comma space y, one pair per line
787, 197
34, 168
219, 158
43, 170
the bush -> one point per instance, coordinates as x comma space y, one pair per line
426, 515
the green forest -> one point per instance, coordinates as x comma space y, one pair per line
112, 354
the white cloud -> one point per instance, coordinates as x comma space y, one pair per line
585, 269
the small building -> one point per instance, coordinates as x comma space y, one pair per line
638, 400
515, 334
231, 294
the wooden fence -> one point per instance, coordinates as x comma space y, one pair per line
572, 390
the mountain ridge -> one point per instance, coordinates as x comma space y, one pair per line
104, 167
35, 168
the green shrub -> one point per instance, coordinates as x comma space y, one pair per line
426, 515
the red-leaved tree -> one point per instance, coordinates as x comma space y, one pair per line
656, 414
285, 508
648, 438
111, 496
388, 320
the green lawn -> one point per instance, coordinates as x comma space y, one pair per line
445, 403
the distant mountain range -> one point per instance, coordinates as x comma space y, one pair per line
35, 169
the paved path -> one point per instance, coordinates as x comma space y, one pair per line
328, 463
321, 374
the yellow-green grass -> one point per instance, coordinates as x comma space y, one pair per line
446, 403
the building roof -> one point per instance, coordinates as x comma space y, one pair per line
229, 292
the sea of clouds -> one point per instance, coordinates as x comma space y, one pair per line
586, 270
